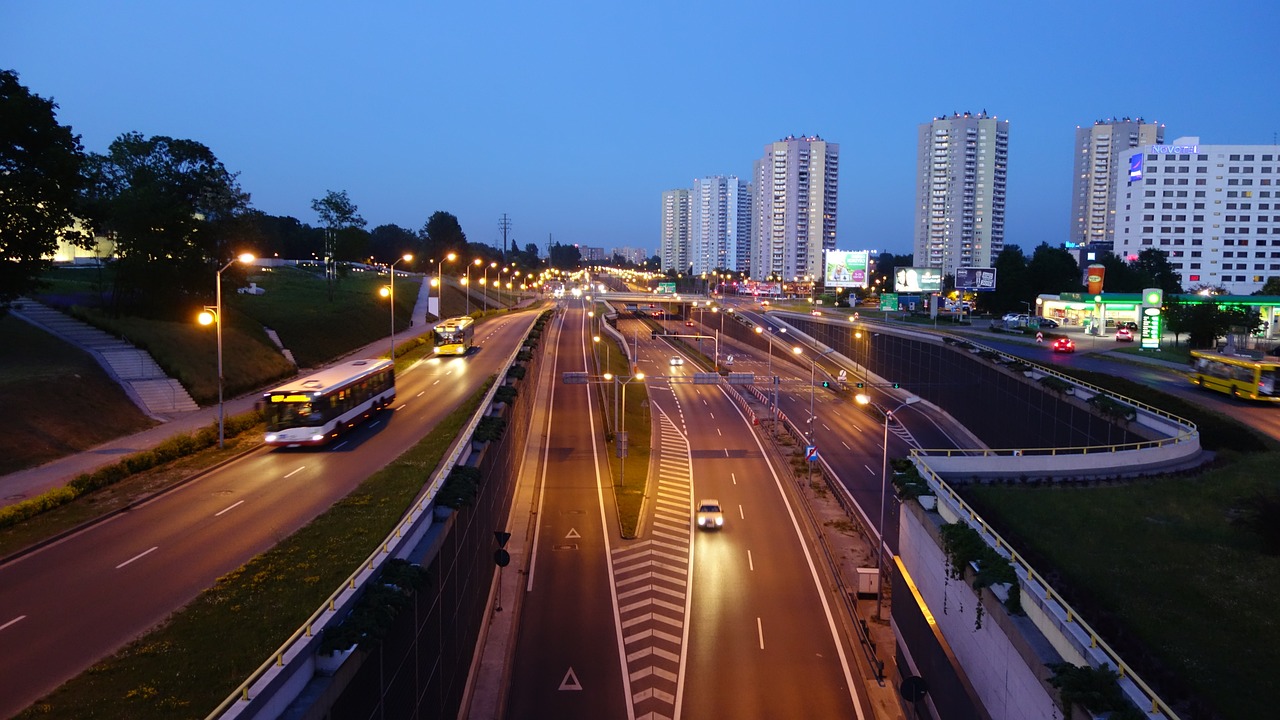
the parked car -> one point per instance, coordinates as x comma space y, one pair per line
1063, 345
1048, 323
709, 516
1124, 334
1128, 325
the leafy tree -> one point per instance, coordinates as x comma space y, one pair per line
41, 176
1206, 322
336, 211
566, 257
1053, 270
1272, 286
283, 236
1160, 273
171, 207
442, 234
1121, 276
388, 243
1014, 291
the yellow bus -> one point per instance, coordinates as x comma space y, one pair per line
454, 335
1238, 375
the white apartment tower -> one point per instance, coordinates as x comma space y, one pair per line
962, 169
1215, 209
720, 224
1101, 157
674, 246
794, 213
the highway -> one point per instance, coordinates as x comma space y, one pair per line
737, 622
69, 604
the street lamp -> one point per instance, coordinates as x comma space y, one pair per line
214, 315
440, 282
467, 281
485, 282
389, 292
884, 482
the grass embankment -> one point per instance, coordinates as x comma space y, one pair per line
197, 658
39, 372
1163, 567
630, 476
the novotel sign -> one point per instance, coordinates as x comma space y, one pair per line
1168, 149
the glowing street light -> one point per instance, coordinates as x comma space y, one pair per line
214, 315
389, 292
440, 282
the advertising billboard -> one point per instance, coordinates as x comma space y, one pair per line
917, 280
976, 279
846, 269
1135, 168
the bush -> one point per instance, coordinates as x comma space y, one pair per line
516, 372
460, 488
489, 428
505, 394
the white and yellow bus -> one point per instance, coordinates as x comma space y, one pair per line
454, 335
1238, 375
313, 410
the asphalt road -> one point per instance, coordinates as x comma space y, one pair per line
733, 623
67, 605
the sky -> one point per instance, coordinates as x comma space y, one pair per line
572, 118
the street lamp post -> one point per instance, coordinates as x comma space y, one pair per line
390, 294
466, 282
884, 482
621, 436
440, 283
215, 316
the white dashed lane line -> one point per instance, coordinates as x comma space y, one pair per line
139, 556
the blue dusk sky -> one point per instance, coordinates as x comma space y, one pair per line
573, 117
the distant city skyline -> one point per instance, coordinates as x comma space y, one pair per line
573, 119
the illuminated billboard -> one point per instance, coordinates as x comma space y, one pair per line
976, 279
846, 269
1135, 168
917, 280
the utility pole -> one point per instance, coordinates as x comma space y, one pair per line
505, 226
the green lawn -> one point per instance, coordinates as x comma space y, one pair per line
39, 372
1164, 560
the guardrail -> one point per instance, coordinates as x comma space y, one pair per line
287, 670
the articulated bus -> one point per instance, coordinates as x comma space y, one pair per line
313, 410
454, 335
1241, 376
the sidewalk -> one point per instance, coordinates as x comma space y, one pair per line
23, 484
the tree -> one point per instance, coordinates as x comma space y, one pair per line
1121, 277
441, 234
41, 177
283, 236
1272, 286
1014, 291
1053, 270
388, 243
565, 257
1155, 263
171, 207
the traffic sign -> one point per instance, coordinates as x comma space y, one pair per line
502, 537
811, 453
844, 375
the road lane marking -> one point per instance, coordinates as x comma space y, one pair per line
846, 445
720, 434
713, 415
374, 423
825, 426
14, 621
402, 406
344, 442
868, 467
295, 472
436, 383
734, 477
750, 563
228, 508
424, 392
760, 632
138, 556
740, 513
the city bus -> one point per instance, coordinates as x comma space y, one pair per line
315, 409
454, 335
1238, 375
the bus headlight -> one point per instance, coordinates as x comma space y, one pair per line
317, 438
271, 437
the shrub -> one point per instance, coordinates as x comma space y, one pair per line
516, 372
489, 428
460, 488
524, 355
1097, 690
505, 394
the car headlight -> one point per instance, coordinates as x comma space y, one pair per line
719, 521
317, 438
272, 437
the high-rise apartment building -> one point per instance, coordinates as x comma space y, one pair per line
1101, 157
674, 247
794, 213
962, 169
1215, 209
720, 224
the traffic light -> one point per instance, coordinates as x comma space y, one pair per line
896, 386
826, 383
858, 385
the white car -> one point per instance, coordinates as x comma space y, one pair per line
676, 360
709, 516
